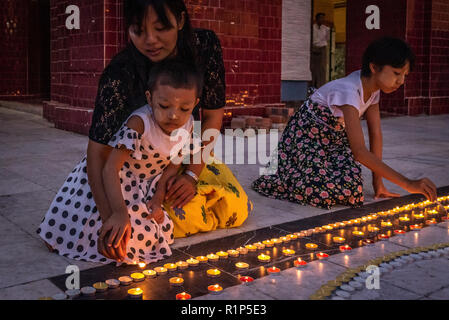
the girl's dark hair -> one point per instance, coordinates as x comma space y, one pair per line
136, 11
387, 51
176, 73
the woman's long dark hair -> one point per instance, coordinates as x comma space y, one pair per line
135, 13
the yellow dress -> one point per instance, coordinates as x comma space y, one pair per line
220, 202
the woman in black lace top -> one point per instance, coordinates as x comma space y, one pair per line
158, 30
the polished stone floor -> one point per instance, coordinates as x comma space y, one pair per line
35, 159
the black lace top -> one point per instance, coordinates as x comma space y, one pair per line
122, 85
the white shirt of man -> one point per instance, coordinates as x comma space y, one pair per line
321, 35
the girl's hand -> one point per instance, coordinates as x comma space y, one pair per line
180, 190
423, 186
155, 208
117, 229
381, 192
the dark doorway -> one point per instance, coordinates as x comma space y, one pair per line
39, 49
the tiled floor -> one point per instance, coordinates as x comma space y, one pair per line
36, 158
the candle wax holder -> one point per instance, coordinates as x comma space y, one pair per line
176, 281
264, 258
135, 293
242, 265
246, 280
125, 280
274, 271
213, 273
100, 286
298, 263
183, 296
149, 273
113, 283
233, 253
215, 289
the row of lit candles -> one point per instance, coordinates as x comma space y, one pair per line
216, 288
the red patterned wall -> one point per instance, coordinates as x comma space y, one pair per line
424, 24
249, 32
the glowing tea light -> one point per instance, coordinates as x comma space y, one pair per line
242, 265
288, 252
100, 286
172, 267
418, 216
415, 227
215, 289
285, 239
299, 263
357, 221
242, 250
213, 273
233, 253
263, 258
193, 262
292, 237
176, 281
182, 265
327, 227
160, 270
432, 212
301, 234
322, 255
149, 273
137, 276
318, 230
259, 245
311, 246
345, 249
222, 255
183, 296
268, 243
386, 224
367, 242
212, 257
338, 239
373, 229
274, 271
246, 280
112, 283
383, 236
202, 259
276, 241
125, 280
135, 293
431, 222
358, 233
404, 219
251, 248
399, 232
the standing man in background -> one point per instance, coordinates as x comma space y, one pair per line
321, 37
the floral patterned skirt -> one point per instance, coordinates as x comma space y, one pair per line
315, 165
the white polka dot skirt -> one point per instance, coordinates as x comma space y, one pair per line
72, 223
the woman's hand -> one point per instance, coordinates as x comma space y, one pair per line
423, 186
380, 191
115, 234
155, 208
180, 190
